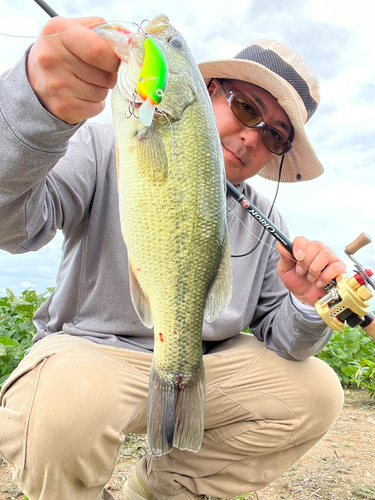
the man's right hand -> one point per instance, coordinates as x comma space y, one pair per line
72, 72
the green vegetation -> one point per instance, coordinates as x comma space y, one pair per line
351, 353
16, 327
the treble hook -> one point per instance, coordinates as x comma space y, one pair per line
131, 107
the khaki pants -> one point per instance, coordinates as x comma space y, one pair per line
67, 407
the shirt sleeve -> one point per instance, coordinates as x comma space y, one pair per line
47, 167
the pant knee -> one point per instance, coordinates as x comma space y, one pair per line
322, 399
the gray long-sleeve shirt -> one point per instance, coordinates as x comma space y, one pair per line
58, 176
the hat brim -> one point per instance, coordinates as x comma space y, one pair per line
301, 162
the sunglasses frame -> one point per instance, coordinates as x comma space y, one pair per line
231, 93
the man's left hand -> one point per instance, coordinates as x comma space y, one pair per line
316, 266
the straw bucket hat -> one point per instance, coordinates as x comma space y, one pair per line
284, 74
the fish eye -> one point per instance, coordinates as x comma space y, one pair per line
176, 42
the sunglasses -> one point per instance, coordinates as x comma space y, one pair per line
247, 112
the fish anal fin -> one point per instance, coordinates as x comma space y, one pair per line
220, 293
141, 303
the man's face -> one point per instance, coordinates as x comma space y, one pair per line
244, 152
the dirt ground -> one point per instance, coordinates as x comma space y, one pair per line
340, 467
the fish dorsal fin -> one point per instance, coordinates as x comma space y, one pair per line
151, 154
220, 293
141, 303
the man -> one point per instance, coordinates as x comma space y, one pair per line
66, 408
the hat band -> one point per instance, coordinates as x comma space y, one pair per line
272, 61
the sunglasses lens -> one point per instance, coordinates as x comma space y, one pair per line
246, 111
275, 142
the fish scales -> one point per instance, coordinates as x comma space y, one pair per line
171, 185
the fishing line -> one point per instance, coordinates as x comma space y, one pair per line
269, 213
164, 114
67, 31
275, 249
223, 206
140, 27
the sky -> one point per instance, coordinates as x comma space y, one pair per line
335, 37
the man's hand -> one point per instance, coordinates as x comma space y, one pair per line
316, 266
72, 72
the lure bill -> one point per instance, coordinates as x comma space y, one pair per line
178, 249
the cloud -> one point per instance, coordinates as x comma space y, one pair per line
26, 284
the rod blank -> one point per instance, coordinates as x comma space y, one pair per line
46, 8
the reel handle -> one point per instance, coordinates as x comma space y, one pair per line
362, 240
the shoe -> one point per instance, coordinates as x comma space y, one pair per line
136, 487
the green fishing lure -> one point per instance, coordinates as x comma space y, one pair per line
153, 78
152, 81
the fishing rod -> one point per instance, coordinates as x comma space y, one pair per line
261, 218
347, 299
44, 5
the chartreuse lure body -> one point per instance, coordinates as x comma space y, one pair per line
152, 81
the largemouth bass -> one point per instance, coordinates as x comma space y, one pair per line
171, 184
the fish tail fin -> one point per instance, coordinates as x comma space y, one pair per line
190, 407
160, 412
175, 415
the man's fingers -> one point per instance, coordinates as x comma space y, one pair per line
315, 260
71, 68
90, 47
287, 260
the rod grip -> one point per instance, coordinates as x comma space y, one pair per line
362, 240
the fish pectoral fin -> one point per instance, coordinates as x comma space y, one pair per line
220, 293
151, 155
175, 411
141, 303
